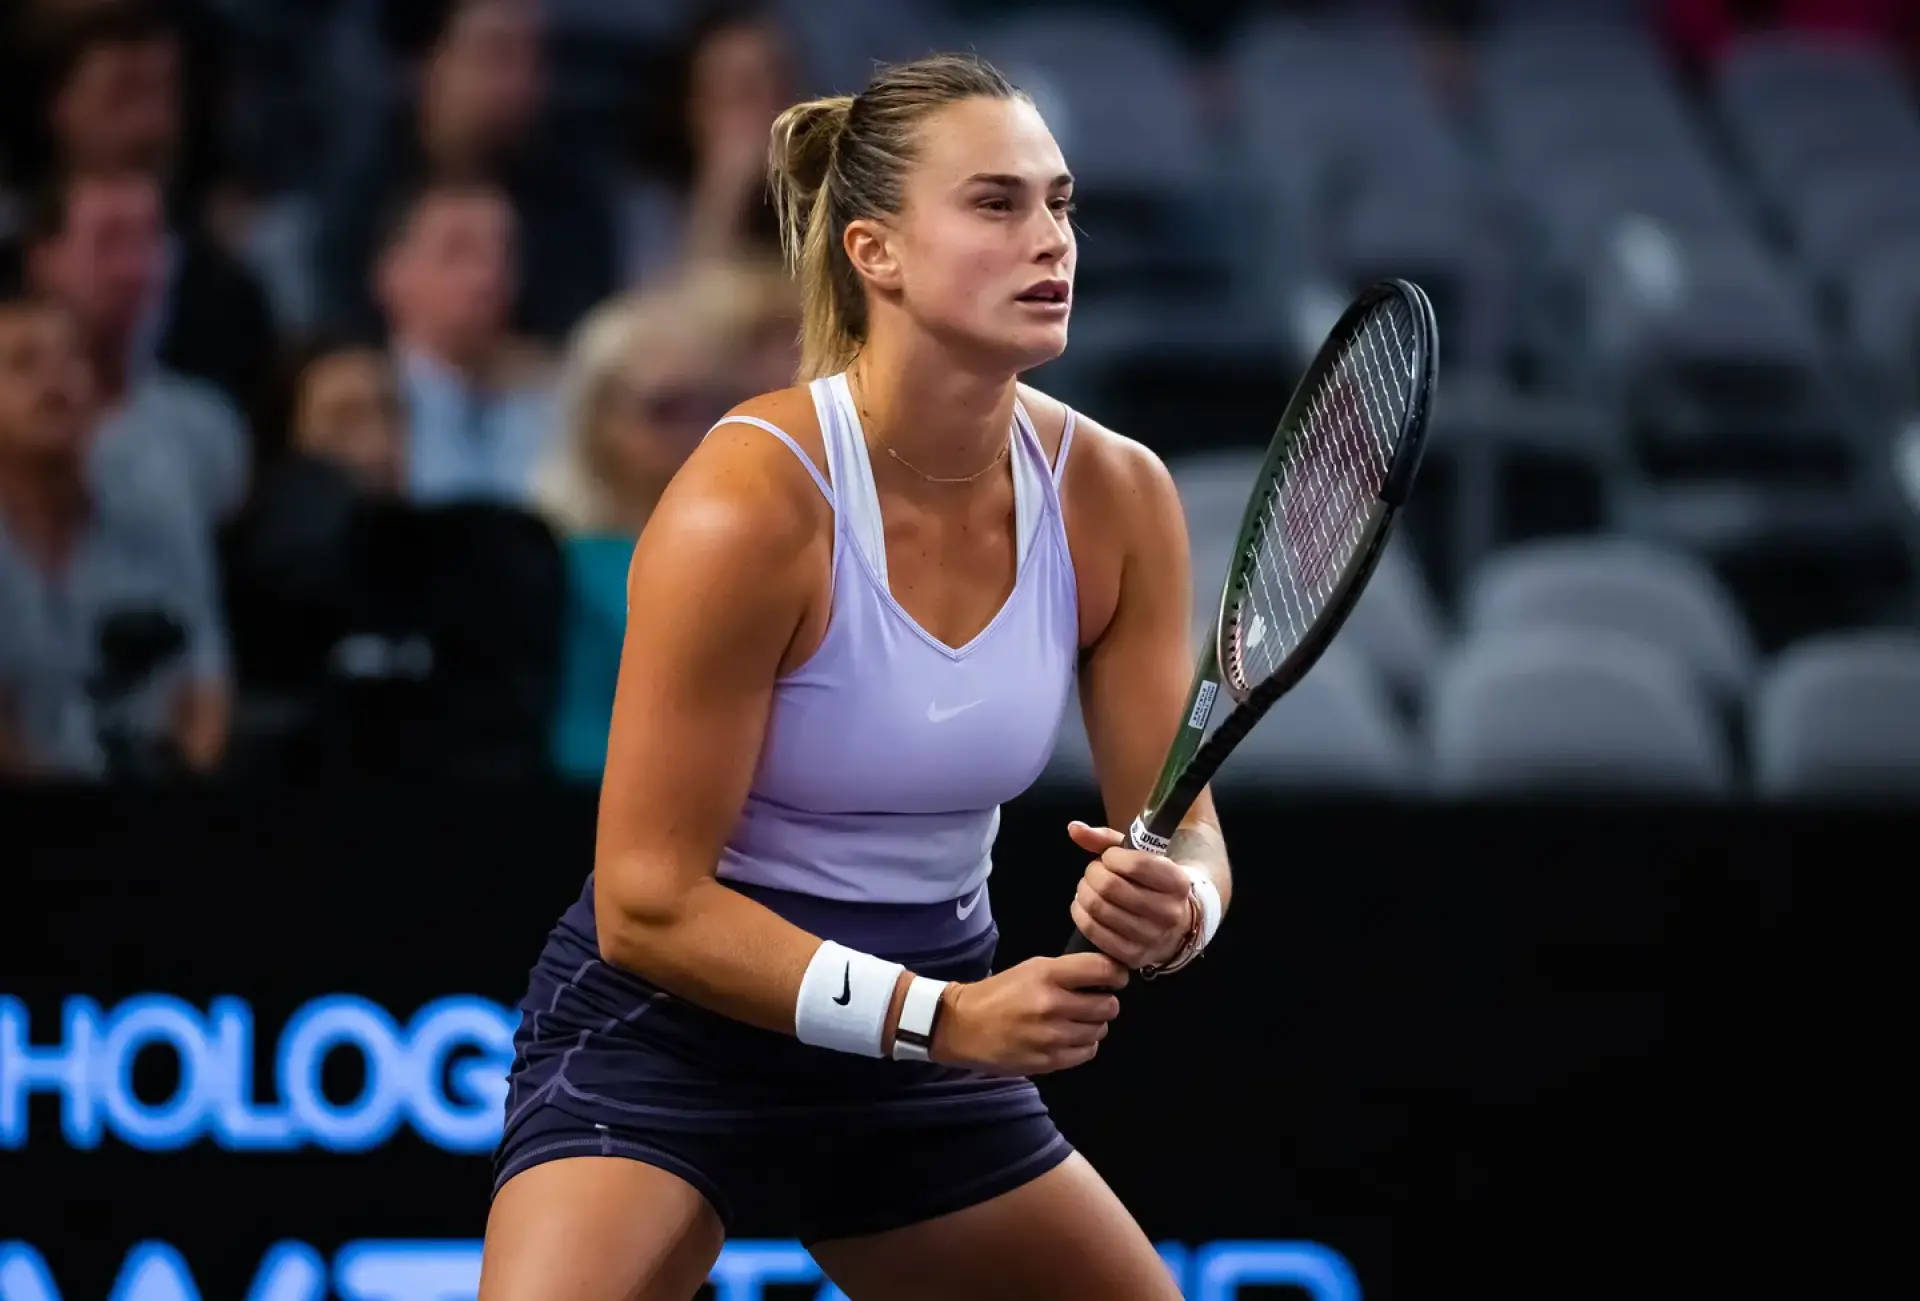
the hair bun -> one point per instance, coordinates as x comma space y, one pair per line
802, 142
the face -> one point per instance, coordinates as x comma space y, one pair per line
349, 413
654, 410
106, 264
982, 251
46, 385
120, 107
450, 279
488, 75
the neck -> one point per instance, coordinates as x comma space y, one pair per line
947, 421
43, 501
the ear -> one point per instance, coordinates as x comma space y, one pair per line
870, 246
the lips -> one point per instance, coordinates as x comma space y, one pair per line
1046, 291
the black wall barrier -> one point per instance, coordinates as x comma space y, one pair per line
250, 1043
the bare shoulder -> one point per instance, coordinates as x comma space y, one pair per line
1103, 466
742, 498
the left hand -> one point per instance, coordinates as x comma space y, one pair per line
1133, 905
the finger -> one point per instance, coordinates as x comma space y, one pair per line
1087, 971
1090, 1009
1111, 943
1094, 840
1161, 911
1139, 929
1078, 1034
1148, 871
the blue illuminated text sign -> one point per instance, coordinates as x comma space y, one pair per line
443, 1073
449, 1270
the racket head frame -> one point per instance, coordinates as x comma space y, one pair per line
1194, 757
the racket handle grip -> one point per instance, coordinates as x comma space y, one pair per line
1078, 943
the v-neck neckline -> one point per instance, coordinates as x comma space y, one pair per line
868, 494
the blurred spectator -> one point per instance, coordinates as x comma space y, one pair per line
479, 91
701, 188
96, 244
477, 396
114, 102
112, 657
346, 409
645, 377
289, 557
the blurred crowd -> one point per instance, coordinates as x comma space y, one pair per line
370, 505
349, 483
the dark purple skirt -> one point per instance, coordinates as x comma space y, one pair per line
783, 1138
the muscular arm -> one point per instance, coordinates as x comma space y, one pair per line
1135, 676
715, 595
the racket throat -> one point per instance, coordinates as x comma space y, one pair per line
1147, 832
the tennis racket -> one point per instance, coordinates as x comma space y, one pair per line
1319, 511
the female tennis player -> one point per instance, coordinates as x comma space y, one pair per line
854, 622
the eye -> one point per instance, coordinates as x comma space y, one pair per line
997, 205
1064, 206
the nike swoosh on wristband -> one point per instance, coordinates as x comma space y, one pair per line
963, 909
935, 714
846, 986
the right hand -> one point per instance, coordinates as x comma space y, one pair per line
1047, 1014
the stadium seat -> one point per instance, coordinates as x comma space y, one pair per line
1502, 466
1558, 711
1881, 300
1849, 216
1717, 355
1839, 715
1397, 625
1766, 75
1660, 595
1362, 172
1799, 559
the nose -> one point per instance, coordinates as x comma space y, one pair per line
1055, 237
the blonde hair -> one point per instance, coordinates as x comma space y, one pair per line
719, 301
838, 159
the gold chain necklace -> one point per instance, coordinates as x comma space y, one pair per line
930, 478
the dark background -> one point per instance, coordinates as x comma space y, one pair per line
1477, 1049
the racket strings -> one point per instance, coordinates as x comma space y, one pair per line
1313, 519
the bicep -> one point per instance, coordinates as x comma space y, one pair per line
1134, 679
708, 621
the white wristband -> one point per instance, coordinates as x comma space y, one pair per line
1210, 907
913, 1037
844, 999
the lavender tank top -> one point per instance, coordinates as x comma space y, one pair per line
888, 753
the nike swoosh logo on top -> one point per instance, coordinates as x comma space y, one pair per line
846, 986
963, 909
935, 714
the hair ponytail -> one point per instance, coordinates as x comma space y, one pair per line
799, 167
